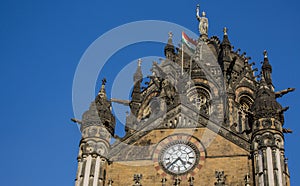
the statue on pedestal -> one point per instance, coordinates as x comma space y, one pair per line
203, 22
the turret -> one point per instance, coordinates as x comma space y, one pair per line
104, 109
97, 126
136, 93
169, 48
267, 134
225, 59
226, 47
135, 103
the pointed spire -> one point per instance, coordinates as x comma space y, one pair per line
136, 93
104, 109
263, 86
226, 47
99, 113
170, 40
138, 75
266, 64
169, 48
226, 41
265, 104
262, 82
102, 92
267, 69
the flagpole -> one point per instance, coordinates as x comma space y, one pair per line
191, 66
181, 54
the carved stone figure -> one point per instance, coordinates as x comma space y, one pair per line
203, 22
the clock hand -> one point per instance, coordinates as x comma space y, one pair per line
173, 162
183, 162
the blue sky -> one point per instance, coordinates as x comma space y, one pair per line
42, 42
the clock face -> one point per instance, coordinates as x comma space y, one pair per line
179, 158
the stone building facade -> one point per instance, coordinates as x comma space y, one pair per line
204, 119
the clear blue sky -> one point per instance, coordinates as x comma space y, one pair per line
41, 44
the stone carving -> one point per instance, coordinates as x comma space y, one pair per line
220, 178
203, 22
101, 149
104, 134
267, 123
166, 103
268, 140
92, 131
137, 179
93, 147
279, 142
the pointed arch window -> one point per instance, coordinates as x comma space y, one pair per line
245, 103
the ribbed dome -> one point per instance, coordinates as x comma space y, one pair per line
91, 117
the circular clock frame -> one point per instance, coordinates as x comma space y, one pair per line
179, 157
170, 140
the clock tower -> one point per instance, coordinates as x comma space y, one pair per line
205, 118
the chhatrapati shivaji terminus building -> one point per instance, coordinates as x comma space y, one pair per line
205, 117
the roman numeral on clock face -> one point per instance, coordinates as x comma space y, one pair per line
178, 158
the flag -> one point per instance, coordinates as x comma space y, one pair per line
190, 43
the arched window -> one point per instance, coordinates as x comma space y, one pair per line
245, 103
201, 100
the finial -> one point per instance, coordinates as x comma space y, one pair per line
265, 54
102, 90
225, 31
139, 62
170, 35
103, 81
